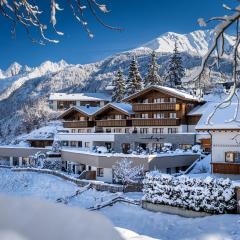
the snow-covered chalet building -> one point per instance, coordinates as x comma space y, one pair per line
225, 137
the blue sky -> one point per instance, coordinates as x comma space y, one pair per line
142, 20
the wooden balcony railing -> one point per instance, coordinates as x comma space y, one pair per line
78, 124
138, 107
156, 122
113, 123
226, 168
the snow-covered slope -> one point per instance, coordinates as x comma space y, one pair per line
195, 43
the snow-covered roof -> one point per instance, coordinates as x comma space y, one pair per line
171, 91
222, 118
79, 97
124, 107
89, 111
199, 110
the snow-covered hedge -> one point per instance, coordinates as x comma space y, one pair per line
209, 195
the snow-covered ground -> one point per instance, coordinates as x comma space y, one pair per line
130, 220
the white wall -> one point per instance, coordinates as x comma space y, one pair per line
107, 175
222, 142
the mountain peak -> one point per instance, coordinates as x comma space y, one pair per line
195, 43
13, 69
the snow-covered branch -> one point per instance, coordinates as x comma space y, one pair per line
28, 14
218, 49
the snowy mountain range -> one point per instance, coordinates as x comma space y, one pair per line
22, 86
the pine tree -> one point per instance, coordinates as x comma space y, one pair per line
119, 87
134, 81
175, 70
153, 77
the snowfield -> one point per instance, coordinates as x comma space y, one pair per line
132, 222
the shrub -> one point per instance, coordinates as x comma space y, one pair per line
209, 194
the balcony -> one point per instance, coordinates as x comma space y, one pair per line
226, 168
78, 124
113, 123
138, 107
156, 122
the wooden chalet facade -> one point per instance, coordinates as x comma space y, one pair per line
153, 110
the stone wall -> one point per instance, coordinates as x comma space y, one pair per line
172, 210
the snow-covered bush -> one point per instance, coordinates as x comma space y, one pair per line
196, 148
124, 172
208, 194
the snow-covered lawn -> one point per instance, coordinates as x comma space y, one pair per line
35, 185
130, 220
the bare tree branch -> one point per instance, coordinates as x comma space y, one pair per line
28, 14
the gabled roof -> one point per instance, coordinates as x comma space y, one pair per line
87, 111
171, 91
125, 108
80, 97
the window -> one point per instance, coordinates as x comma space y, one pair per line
100, 172
157, 130
157, 146
81, 130
117, 130
73, 130
172, 100
89, 130
172, 130
172, 115
25, 161
65, 143
143, 130
127, 130
145, 100
158, 115
118, 116
159, 100
144, 115
79, 144
82, 119
73, 143
108, 130
232, 157
87, 144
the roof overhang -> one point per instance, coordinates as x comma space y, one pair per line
159, 89
73, 108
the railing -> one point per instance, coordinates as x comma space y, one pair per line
113, 123
155, 106
78, 124
156, 122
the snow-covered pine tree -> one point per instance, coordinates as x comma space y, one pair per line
134, 80
153, 77
119, 87
175, 71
